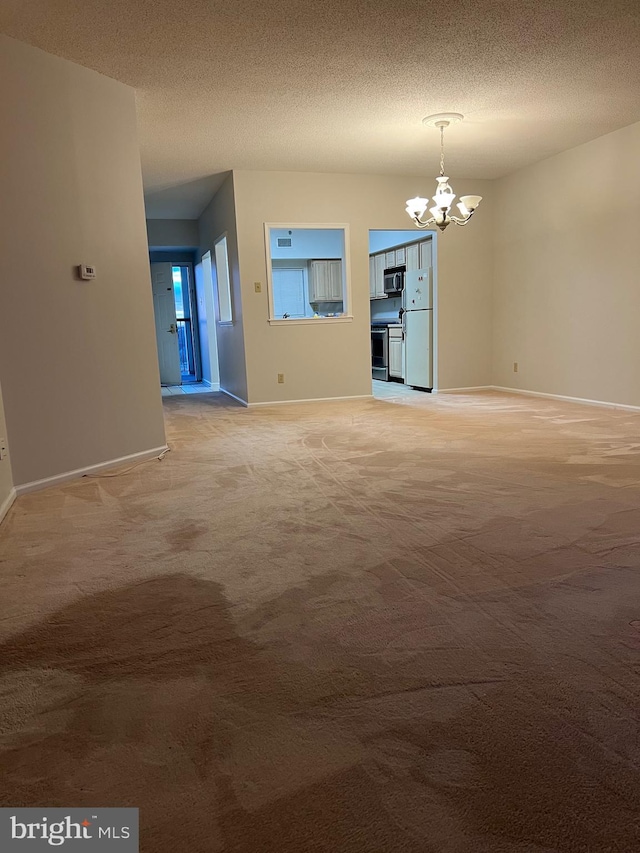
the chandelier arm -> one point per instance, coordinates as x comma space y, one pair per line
459, 221
422, 224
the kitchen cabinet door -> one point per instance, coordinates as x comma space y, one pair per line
325, 281
395, 357
426, 251
390, 259
380, 268
401, 256
372, 277
318, 281
412, 257
334, 284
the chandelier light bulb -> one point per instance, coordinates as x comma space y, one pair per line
471, 201
444, 195
417, 206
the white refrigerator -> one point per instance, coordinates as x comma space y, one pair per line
418, 328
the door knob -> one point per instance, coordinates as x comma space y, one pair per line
172, 328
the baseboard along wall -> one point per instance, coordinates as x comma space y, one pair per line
6, 505
583, 400
310, 400
36, 485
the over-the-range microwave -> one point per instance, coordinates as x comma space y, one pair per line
394, 280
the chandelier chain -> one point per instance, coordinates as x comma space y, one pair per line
441, 151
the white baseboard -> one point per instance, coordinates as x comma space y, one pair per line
229, 394
7, 503
469, 388
310, 400
582, 400
215, 386
57, 479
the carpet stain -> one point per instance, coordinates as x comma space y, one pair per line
185, 536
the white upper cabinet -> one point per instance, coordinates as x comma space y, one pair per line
380, 265
412, 257
335, 281
426, 254
325, 281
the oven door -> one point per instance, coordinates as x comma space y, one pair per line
380, 353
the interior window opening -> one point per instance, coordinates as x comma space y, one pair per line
307, 273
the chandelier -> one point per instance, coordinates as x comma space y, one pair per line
443, 199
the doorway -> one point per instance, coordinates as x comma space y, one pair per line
176, 323
190, 368
403, 308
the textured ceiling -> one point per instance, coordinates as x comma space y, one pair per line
342, 85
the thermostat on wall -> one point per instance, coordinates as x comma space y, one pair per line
86, 272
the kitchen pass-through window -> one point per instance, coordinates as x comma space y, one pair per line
307, 273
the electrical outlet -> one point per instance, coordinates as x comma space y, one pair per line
281, 379
257, 286
3, 448
515, 366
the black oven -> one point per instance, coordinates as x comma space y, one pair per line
394, 280
380, 352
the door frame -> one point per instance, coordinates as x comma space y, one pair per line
418, 238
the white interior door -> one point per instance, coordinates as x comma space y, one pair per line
164, 307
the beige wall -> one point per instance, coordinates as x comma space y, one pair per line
465, 282
567, 273
6, 478
219, 218
78, 360
333, 360
172, 233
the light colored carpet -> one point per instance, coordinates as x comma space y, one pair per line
353, 627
